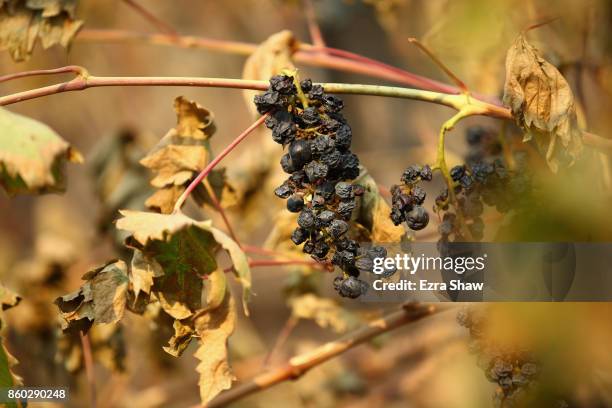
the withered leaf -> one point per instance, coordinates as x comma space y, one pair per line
101, 299
240, 264
180, 154
193, 120
32, 155
185, 249
8, 379
163, 199
216, 289
542, 103
22, 23
175, 165
214, 329
183, 333
142, 272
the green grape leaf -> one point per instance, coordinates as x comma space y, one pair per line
185, 250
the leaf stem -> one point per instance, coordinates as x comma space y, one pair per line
300, 364
196, 181
460, 84
89, 368
215, 201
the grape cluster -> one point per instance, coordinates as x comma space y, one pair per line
484, 180
407, 198
321, 168
514, 371
483, 143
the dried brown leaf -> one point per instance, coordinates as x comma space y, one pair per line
101, 299
180, 155
183, 333
163, 199
193, 120
175, 164
542, 103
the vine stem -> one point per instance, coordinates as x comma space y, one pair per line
85, 82
441, 160
89, 368
78, 70
259, 263
281, 339
215, 201
300, 364
196, 181
458, 102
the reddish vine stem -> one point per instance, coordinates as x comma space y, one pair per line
69, 68
281, 339
300, 364
152, 18
82, 83
221, 211
313, 26
308, 55
89, 368
196, 181
272, 262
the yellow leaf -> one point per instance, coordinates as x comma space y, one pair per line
193, 120
142, 272
214, 329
